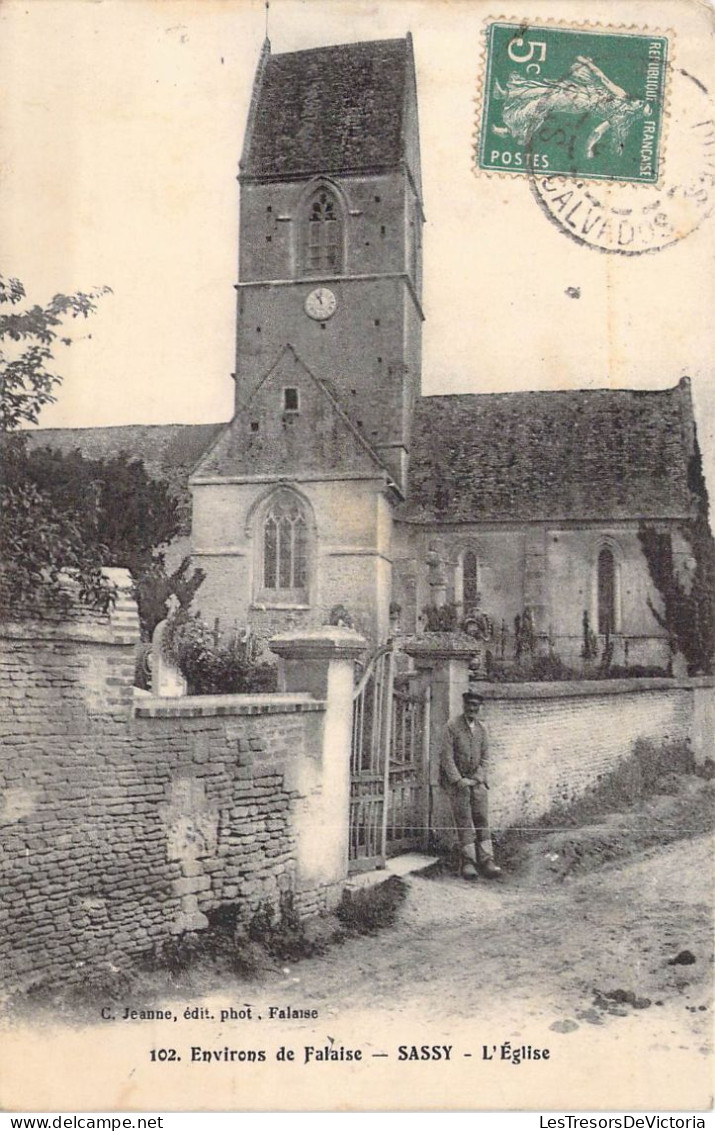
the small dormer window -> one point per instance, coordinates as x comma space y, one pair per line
290, 400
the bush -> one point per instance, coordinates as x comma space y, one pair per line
442, 618
281, 934
154, 586
369, 909
551, 668
220, 947
537, 669
215, 663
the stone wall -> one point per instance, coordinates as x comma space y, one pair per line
550, 742
125, 821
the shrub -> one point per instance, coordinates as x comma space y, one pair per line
220, 947
688, 602
368, 909
640, 776
155, 586
536, 669
589, 648
444, 618
341, 617
216, 663
282, 933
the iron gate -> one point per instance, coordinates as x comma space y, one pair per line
389, 779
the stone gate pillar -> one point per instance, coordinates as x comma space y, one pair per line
442, 660
322, 662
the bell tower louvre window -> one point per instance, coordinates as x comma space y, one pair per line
323, 234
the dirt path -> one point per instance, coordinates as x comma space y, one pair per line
459, 948
581, 966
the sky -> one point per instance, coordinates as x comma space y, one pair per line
121, 125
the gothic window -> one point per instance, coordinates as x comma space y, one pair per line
285, 550
606, 591
466, 580
470, 578
323, 234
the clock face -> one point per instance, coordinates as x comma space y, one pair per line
321, 304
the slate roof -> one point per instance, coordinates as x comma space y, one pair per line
168, 451
328, 109
586, 454
165, 449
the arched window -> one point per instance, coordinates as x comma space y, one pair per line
323, 234
285, 550
606, 591
466, 580
470, 579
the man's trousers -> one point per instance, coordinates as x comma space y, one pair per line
470, 809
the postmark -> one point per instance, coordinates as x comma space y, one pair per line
584, 102
626, 219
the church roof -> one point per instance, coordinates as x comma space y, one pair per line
168, 451
583, 454
601, 454
165, 449
328, 109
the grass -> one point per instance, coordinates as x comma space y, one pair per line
654, 797
367, 910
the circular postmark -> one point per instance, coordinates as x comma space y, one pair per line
630, 219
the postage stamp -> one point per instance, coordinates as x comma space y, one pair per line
584, 103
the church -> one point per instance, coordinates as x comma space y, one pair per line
336, 483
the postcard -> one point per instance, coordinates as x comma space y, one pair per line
389, 786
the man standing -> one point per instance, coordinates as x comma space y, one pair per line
464, 759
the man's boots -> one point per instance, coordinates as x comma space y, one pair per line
469, 862
485, 857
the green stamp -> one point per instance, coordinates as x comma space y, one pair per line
587, 104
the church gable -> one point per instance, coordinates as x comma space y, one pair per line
291, 426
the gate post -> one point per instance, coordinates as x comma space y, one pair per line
322, 662
442, 660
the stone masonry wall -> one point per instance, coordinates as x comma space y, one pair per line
549, 743
120, 827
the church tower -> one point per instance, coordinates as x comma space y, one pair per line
330, 233
293, 504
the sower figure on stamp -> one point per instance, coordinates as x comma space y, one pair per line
464, 760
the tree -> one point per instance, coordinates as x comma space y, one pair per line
27, 339
62, 515
155, 586
688, 598
41, 544
125, 515
123, 508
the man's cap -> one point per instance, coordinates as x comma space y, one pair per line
472, 697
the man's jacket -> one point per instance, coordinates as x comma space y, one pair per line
464, 753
